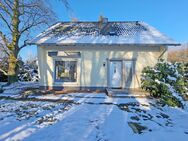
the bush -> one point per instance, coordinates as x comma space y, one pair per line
3, 78
1, 89
166, 81
3, 66
28, 71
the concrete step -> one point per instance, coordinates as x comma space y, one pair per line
127, 93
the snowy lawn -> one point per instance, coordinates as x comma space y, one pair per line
91, 117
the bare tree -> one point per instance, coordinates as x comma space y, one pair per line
18, 19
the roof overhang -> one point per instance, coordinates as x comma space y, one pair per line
103, 44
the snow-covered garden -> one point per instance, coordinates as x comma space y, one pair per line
87, 116
28, 114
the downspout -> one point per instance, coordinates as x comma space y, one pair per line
138, 80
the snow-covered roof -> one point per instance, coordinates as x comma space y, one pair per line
102, 33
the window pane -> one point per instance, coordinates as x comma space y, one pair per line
128, 73
66, 71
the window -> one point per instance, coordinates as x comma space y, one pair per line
65, 71
128, 65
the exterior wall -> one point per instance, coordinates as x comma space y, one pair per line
91, 70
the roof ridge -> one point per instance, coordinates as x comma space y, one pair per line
97, 21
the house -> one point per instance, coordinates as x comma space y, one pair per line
98, 55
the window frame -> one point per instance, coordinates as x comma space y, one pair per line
77, 71
63, 80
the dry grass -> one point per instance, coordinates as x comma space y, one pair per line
178, 55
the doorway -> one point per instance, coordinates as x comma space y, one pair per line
115, 74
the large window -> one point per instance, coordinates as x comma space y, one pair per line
65, 71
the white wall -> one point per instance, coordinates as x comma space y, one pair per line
91, 71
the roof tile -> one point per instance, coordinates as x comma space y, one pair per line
100, 33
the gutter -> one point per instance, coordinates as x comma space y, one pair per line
109, 44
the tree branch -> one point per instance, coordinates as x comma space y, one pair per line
8, 3
4, 39
4, 72
4, 49
24, 45
30, 26
1, 16
5, 9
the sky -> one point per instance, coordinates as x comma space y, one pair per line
168, 16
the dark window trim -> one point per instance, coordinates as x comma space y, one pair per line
61, 81
55, 54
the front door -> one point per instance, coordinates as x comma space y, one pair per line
115, 73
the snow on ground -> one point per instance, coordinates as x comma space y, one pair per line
91, 117
17, 88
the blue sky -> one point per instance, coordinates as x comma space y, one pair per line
168, 16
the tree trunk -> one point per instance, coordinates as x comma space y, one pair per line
12, 69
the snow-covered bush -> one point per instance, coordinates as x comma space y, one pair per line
28, 72
166, 81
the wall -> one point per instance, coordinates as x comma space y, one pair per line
91, 72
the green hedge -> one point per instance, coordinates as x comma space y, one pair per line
166, 81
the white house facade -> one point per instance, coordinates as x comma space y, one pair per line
98, 55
